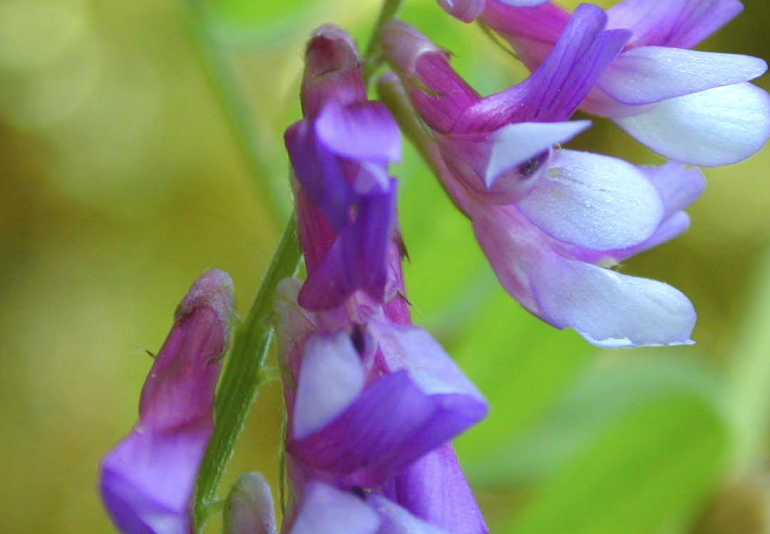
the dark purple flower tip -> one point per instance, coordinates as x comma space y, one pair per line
147, 480
333, 70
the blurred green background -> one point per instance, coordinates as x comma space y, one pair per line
121, 182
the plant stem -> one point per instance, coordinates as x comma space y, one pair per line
242, 375
236, 108
389, 10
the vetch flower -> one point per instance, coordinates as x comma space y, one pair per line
340, 154
548, 218
469, 10
147, 481
249, 508
691, 106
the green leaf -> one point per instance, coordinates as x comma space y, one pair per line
633, 449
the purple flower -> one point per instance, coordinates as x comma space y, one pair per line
469, 10
372, 399
340, 154
691, 106
148, 479
547, 218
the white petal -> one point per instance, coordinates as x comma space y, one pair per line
594, 201
331, 377
719, 126
327, 510
650, 74
518, 143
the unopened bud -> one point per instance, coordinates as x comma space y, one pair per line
249, 508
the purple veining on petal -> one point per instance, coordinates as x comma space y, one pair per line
147, 480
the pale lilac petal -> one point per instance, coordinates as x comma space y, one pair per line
607, 308
465, 10
396, 520
325, 509
365, 131
331, 377
594, 201
558, 86
720, 126
653, 73
249, 508
675, 23
398, 417
434, 489
677, 185
148, 481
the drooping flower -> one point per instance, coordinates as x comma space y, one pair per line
340, 154
369, 396
691, 106
546, 218
147, 481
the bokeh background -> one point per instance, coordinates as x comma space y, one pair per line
122, 181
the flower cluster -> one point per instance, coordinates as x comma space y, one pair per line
373, 401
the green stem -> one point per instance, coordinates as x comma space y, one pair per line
243, 375
236, 108
390, 9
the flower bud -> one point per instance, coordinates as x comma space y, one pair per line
148, 480
249, 508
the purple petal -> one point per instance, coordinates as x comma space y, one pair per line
358, 259
319, 173
325, 509
652, 73
675, 23
396, 520
558, 86
365, 131
719, 126
434, 489
148, 480
331, 378
465, 10
594, 201
398, 417
605, 307
439, 94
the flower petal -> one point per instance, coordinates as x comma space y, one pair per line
434, 489
331, 378
365, 131
465, 10
594, 201
396, 520
325, 509
399, 417
719, 126
677, 185
675, 23
650, 74
148, 480
607, 308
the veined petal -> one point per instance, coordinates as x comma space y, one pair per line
675, 23
434, 489
465, 10
364, 131
319, 173
560, 84
532, 31
650, 74
607, 308
594, 201
396, 520
148, 480
397, 418
719, 126
325, 509
331, 378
